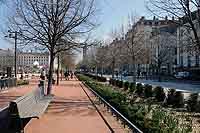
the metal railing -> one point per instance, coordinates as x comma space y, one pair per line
7, 82
124, 120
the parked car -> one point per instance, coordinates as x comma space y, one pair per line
182, 75
127, 73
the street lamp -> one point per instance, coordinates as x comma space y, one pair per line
14, 34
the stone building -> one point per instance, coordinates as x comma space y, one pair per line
188, 57
27, 60
163, 50
145, 30
6, 59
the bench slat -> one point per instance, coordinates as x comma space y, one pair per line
36, 110
31, 105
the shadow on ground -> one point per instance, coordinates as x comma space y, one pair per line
74, 106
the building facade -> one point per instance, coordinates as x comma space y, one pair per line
6, 59
27, 60
188, 57
163, 50
151, 35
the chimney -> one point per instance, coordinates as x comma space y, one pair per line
154, 17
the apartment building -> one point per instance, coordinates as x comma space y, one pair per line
6, 59
29, 59
151, 34
188, 57
163, 50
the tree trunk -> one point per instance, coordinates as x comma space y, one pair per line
58, 70
113, 68
101, 71
134, 70
159, 72
49, 87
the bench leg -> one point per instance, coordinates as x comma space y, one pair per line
17, 125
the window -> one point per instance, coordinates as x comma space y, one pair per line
189, 61
175, 51
197, 61
175, 62
181, 61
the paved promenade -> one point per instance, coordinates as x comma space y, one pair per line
72, 112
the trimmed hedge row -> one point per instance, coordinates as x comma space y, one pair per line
98, 78
141, 90
174, 99
22, 82
139, 114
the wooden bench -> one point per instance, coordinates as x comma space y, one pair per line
32, 105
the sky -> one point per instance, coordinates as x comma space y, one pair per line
113, 13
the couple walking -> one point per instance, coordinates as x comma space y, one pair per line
69, 74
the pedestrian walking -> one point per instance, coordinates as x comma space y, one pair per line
66, 74
71, 74
42, 76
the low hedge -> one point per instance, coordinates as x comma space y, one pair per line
193, 103
148, 91
22, 82
139, 89
138, 114
159, 93
126, 85
132, 87
99, 78
119, 83
175, 98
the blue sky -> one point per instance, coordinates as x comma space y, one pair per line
113, 14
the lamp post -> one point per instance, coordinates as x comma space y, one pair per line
14, 34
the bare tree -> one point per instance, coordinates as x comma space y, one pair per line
187, 12
68, 60
163, 46
135, 48
54, 25
114, 54
101, 57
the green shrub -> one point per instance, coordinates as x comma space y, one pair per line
148, 91
111, 81
139, 89
178, 100
101, 79
171, 97
159, 94
138, 114
114, 82
163, 122
119, 83
126, 85
132, 87
192, 102
22, 82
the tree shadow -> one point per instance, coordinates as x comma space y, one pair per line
71, 107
